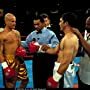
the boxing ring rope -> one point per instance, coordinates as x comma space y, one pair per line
28, 59
30, 56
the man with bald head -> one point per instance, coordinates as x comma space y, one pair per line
84, 69
13, 67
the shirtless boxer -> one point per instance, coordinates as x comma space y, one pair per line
10, 44
66, 50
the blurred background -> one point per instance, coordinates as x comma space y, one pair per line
25, 10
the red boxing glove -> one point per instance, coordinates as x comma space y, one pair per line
20, 52
51, 83
33, 47
9, 72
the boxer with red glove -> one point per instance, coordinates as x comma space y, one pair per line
20, 51
34, 47
53, 82
9, 72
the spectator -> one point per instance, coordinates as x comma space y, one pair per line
51, 26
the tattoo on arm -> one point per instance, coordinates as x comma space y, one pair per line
1, 47
18, 38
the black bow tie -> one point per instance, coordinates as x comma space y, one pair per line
48, 27
38, 32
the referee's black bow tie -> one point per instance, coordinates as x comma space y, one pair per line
38, 32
